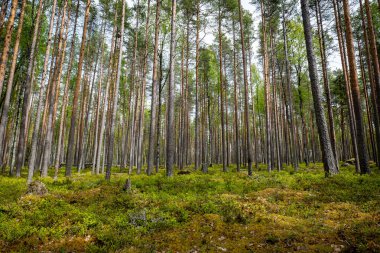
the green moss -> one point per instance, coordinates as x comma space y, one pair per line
277, 211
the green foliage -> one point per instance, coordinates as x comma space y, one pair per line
278, 210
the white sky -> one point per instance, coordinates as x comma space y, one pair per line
333, 59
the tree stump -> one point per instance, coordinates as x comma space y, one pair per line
127, 186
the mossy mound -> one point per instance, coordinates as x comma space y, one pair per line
37, 188
215, 212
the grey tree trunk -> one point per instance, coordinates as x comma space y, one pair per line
170, 143
33, 151
100, 148
66, 93
153, 108
289, 97
322, 46
55, 82
221, 80
196, 144
142, 101
267, 92
27, 97
115, 98
71, 141
236, 114
246, 108
324, 138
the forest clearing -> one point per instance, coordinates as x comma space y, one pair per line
215, 212
189, 125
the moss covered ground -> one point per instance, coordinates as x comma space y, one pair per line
215, 212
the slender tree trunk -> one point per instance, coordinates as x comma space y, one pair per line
347, 81
221, 80
66, 93
7, 42
196, 144
115, 97
368, 109
324, 138
246, 108
142, 101
170, 114
322, 46
152, 127
362, 147
289, 97
7, 99
52, 95
105, 102
71, 144
267, 90
236, 114
27, 97
133, 107
33, 152
376, 70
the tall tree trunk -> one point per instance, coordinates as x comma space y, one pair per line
100, 148
66, 92
142, 101
362, 147
27, 96
289, 96
246, 108
376, 70
7, 42
52, 95
115, 97
343, 57
71, 141
36, 132
324, 138
152, 126
221, 80
134, 102
322, 47
170, 108
368, 109
267, 90
196, 144
7, 99
236, 114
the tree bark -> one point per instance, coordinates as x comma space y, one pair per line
362, 147
115, 97
71, 144
27, 96
246, 108
267, 91
7, 42
322, 47
4, 115
221, 80
324, 138
152, 126
171, 87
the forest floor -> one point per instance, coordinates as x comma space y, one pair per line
215, 212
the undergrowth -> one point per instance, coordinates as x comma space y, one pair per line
214, 212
